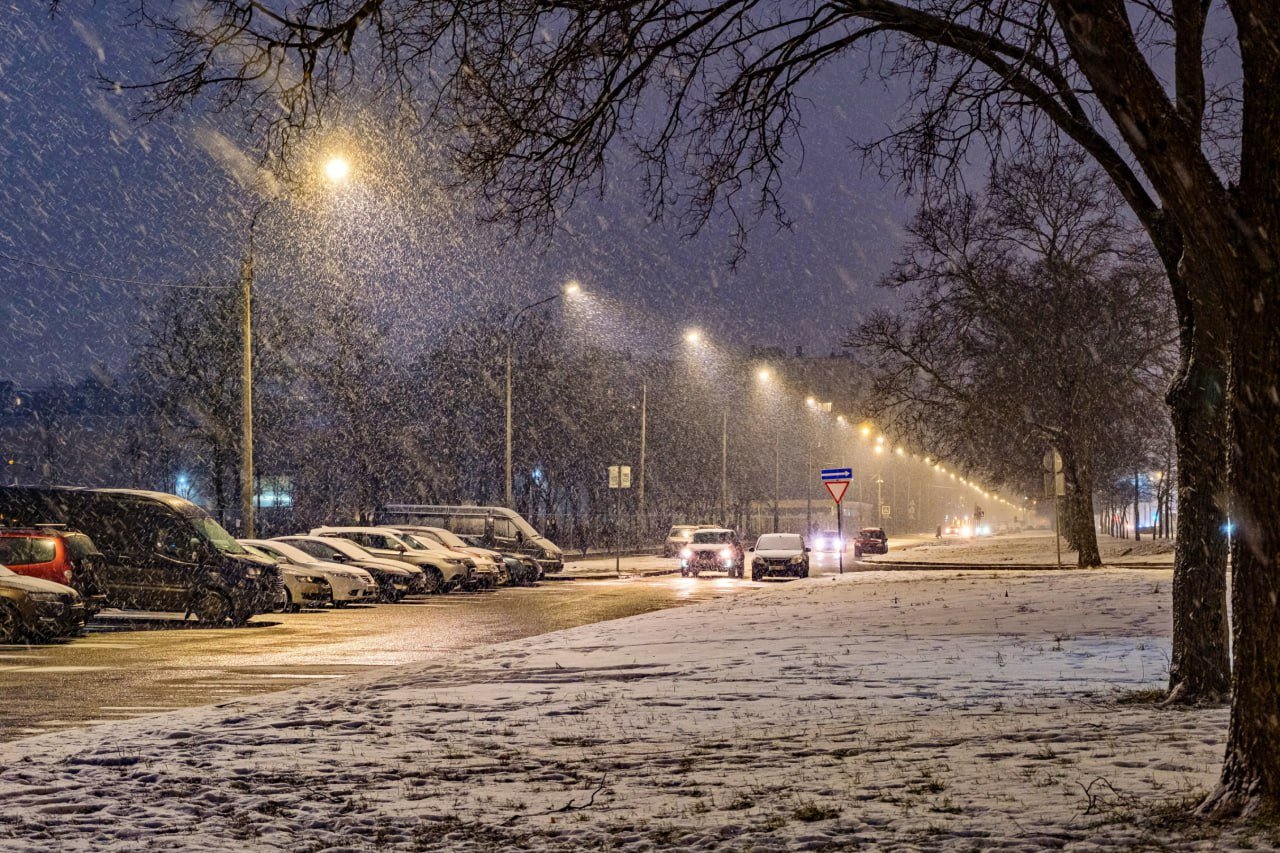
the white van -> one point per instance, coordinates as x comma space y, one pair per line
494, 527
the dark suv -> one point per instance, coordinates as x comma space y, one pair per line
62, 556
160, 552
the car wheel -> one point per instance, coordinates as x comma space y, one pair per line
433, 581
341, 604
291, 606
857, 553
10, 625
212, 608
755, 576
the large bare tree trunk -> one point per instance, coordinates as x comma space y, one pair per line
1251, 771
1200, 669
1077, 506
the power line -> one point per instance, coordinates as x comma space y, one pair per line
117, 279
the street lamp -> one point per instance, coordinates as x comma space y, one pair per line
692, 337
336, 170
570, 288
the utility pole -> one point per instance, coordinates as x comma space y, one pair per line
246, 385
724, 466
777, 476
507, 478
644, 419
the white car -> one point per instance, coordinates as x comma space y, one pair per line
349, 584
779, 555
392, 575
490, 567
302, 587
443, 571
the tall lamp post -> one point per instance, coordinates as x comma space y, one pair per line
692, 337
568, 290
336, 169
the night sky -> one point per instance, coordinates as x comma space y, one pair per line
86, 187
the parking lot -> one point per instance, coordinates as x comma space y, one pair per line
138, 664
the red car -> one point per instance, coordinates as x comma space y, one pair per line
871, 540
61, 556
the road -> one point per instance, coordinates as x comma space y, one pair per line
128, 669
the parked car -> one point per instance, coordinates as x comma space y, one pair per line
37, 609
712, 549
779, 555
829, 541
347, 554
493, 527
871, 540
347, 584
301, 588
484, 573
521, 569
62, 556
490, 569
161, 552
678, 537
441, 571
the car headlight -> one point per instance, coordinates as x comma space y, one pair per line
726, 553
686, 553
758, 561
252, 572
44, 596
797, 560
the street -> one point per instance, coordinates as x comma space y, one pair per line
130, 668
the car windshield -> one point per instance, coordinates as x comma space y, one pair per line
219, 538
448, 538
870, 533
712, 537
682, 530
780, 542
425, 543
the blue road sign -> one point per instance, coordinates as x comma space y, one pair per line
833, 475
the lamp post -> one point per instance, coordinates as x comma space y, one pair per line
692, 337
568, 290
336, 169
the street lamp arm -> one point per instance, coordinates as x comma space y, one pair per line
515, 320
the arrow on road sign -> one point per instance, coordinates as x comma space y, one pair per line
837, 488
836, 474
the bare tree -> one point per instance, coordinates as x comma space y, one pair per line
1029, 314
533, 93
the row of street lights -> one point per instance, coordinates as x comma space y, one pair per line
337, 170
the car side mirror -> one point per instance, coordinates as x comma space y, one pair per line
751, 550
807, 549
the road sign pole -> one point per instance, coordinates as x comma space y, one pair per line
840, 534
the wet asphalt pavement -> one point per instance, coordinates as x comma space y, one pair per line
125, 669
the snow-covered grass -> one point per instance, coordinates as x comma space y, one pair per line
888, 710
1033, 547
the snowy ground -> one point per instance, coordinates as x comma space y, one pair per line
1033, 547
898, 710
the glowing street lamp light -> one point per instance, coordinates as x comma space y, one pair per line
337, 169
763, 375
693, 336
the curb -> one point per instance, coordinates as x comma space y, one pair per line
609, 575
904, 565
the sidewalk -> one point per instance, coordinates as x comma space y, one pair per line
605, 567
1026, 549
888, 710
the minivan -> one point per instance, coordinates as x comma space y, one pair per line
494, 527
160, 552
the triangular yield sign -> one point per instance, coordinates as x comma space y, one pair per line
837, 489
